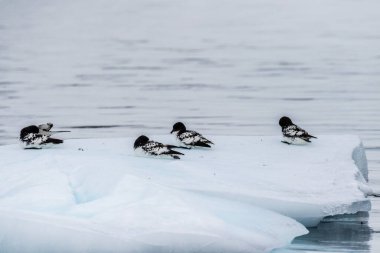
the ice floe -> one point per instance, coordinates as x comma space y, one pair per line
246, 194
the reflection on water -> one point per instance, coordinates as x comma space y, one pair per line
123, 68
342, 233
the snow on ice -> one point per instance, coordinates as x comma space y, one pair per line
247, 194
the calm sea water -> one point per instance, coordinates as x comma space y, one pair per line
121, 68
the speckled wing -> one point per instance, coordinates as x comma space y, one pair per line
293, 131
189, 137
34, 139
155, 148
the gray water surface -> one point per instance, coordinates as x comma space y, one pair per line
122, 68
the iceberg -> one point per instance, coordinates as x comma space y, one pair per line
247, 194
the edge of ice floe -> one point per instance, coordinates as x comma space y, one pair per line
361, 162
360, 159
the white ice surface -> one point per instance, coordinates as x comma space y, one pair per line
96, 195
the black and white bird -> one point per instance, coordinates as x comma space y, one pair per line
145, 146
189, 138
292, 133
36, 137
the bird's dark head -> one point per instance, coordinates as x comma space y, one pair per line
29, 130
178, 127
285, 121
141, 141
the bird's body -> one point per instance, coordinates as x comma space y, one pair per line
144, 146
189, 138
34, 137
293, 134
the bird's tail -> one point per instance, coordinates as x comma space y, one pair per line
54, 141
202, 144
173, 152
310, 136
207, 141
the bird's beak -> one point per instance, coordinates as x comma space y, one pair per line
171, 131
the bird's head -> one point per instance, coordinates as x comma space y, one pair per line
178, 127
141, 141
45, 127
285, 121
